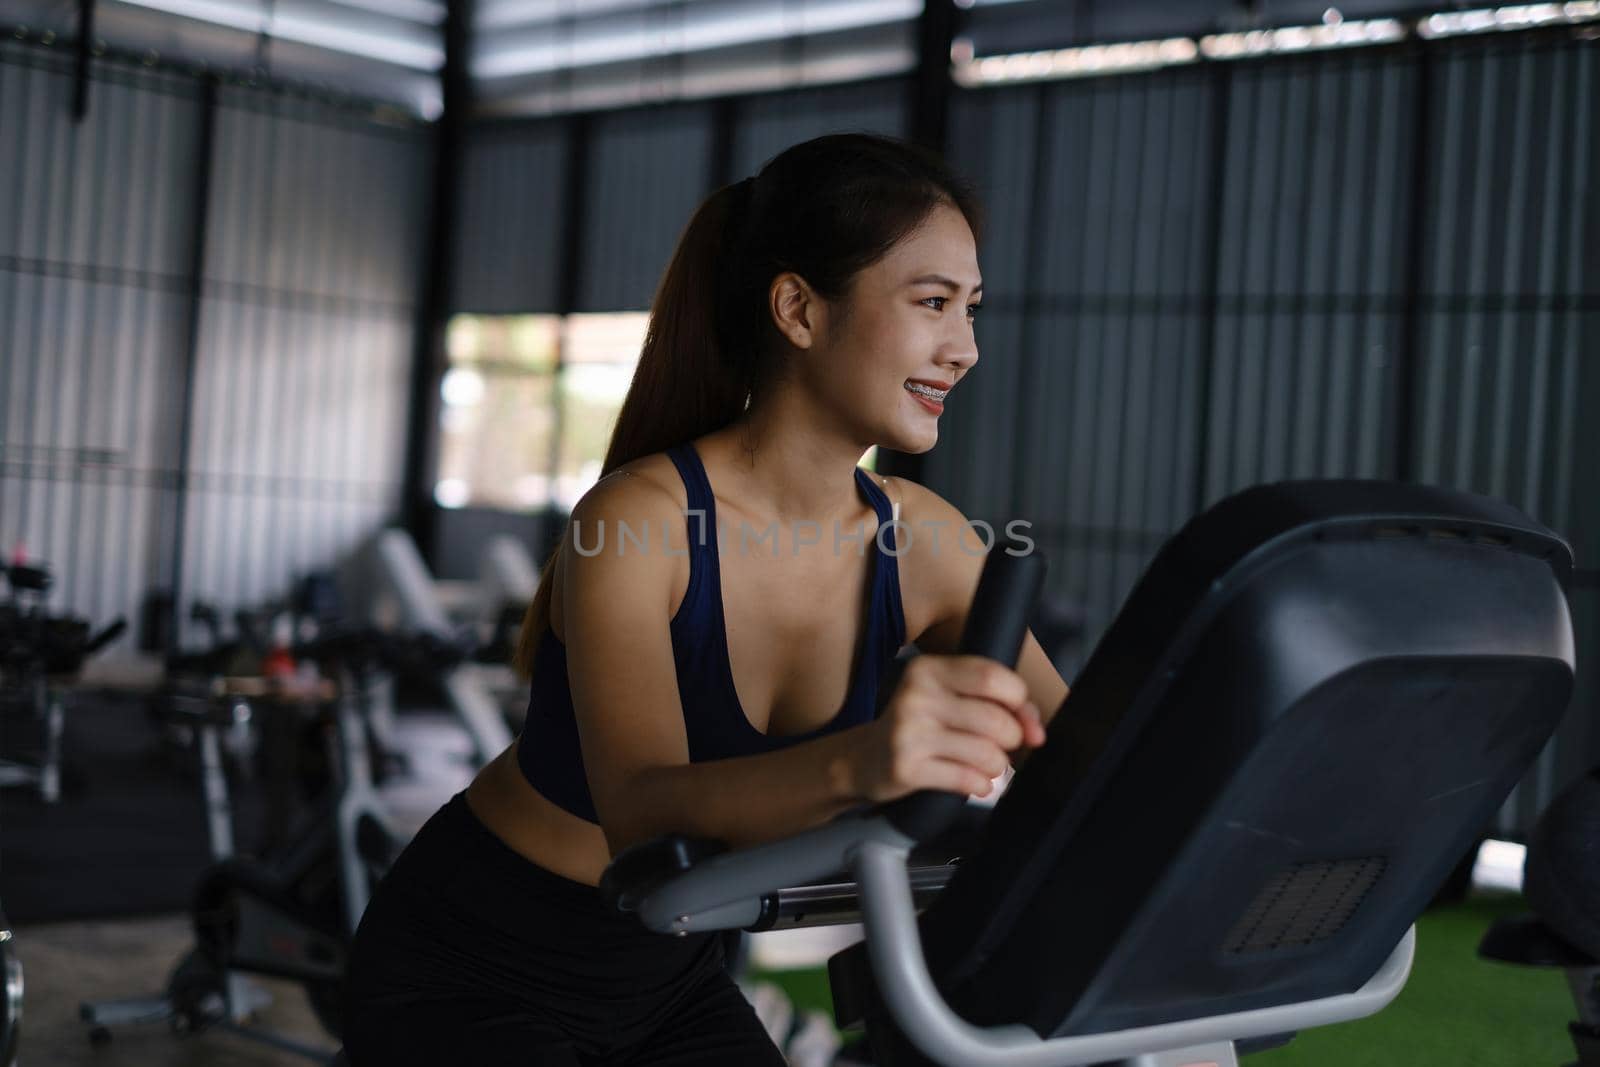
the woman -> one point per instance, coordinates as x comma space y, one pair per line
723, 690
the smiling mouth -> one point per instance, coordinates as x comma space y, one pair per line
927, 392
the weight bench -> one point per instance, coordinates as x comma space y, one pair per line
1309, 707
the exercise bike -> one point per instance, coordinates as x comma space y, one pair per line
292, 917
37, 651
10, 997
193, 673
1311, 703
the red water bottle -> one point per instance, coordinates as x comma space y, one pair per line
277, 664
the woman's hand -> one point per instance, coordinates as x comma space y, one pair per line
948, 726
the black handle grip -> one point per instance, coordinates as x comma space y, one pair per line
36, 579
1004, 599
996, 625
105, 637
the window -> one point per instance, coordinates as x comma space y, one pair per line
529, 405
601, 353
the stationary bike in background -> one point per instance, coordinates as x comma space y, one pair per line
290, 915
39, 653
10, 996
1561, 881
195, 674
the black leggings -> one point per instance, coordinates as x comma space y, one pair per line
468, 953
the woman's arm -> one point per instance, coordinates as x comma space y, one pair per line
948, 726
616, 609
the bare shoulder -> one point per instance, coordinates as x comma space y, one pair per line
618, 528
933, 522
917, 501
940, 558
641, 486
940, 566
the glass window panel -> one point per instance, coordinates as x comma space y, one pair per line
598, 362
494, 448
497, 415
527, 342
502, 394
610, 337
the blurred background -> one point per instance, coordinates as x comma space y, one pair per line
318, 308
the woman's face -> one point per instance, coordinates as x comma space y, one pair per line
907, 318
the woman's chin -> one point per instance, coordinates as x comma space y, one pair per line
912, 440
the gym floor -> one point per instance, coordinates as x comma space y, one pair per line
1456, 1009
65, 963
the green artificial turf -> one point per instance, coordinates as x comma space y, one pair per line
1456, 1010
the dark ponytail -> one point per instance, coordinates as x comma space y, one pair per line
824, 209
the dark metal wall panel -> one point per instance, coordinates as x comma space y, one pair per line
143, 129
1310, 317
305, 320
768, 124
508, 242
1503, 420
1115, 282
92, 301
1504, 280
315, 203
303, 367
648, 170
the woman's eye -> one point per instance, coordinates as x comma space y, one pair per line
938, 303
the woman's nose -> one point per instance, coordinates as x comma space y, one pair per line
961, 352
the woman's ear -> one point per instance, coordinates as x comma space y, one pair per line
797, 310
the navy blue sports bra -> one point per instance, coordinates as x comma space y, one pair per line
715, 722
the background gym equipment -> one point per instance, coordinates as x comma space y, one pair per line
39, 654
10, 996
1562, 884
1316, 696
391, 584
290, 915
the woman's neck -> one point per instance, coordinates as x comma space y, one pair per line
790, 470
